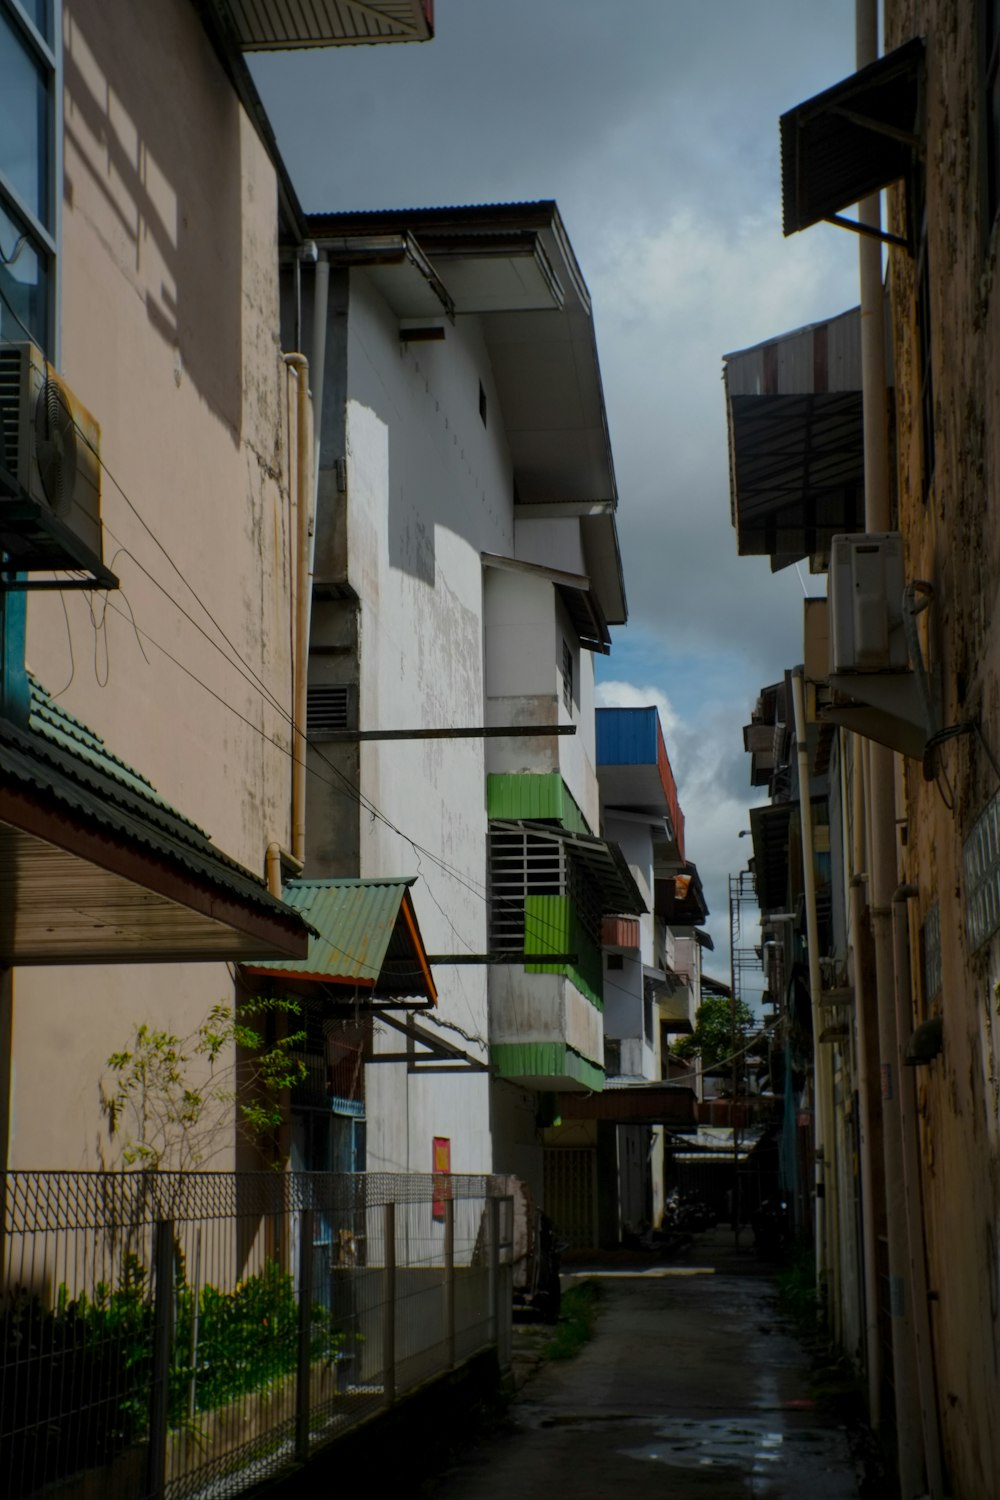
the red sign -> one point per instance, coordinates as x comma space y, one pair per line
441, 1165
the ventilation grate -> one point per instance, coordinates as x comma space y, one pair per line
328, 708
10, 403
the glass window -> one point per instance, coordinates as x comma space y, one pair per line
28, 204
24, 284
24, 122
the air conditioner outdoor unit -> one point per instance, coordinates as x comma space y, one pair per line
866, 603
50, 471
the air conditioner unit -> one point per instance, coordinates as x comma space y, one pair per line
50, 471
866, 603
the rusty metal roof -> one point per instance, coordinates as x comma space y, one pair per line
365, 936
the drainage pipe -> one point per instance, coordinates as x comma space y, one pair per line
922, 1337
303, 496
863, 1030
824, 1173
882, 815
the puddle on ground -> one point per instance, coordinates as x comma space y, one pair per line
750, 1446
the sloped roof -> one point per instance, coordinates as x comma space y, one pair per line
100, 867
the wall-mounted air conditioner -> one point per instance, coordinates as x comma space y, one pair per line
866, 603
878, 685
50, 471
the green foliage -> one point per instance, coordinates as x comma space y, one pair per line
171, 1099
718, 1033
796, 1285
577, 1315
75, 1379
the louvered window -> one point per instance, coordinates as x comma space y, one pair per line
328, 708
523, 863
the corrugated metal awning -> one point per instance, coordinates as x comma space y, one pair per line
796, 440
853, 139
272, 25
365, 938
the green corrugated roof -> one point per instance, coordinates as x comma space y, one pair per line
57, 756
531, 794
57, 725
362, 937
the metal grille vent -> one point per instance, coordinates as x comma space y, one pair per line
526, 864
10, 401
328, 708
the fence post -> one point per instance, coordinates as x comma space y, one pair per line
449, 1280
494, 1220
159, 1393
505, 1292
389, 1303
304, 1367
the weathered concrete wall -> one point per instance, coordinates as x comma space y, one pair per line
952, 538
169, 336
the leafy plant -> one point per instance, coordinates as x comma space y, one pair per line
577, 1315
76, 1378
171, 1099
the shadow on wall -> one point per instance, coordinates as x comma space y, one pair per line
152, 131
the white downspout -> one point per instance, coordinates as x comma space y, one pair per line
303, 497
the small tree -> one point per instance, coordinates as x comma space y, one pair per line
717, 1032
171, 1099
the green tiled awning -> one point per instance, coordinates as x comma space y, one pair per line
97, 867
365, 937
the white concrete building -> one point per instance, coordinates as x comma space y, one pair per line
466, 568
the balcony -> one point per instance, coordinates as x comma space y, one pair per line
543, 1032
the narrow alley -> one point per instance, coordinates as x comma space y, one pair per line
694, 1384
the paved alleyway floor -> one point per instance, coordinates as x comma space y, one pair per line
692, 1387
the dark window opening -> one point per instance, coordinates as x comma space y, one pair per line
990, 11
616, 961
482, 403
567, 677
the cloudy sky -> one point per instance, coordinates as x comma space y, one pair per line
653, 124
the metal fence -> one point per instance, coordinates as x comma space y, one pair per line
176, 1335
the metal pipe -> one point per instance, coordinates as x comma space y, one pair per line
303, 601
882, 817
821, 1117
862, 1025
922, 1337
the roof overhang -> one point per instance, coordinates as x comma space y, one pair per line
853, 139
84, 881
512, 266
273, 25
365, 942
603, 862
680, 898
574, 590
633, 1104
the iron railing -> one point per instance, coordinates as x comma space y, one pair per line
175, 1335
